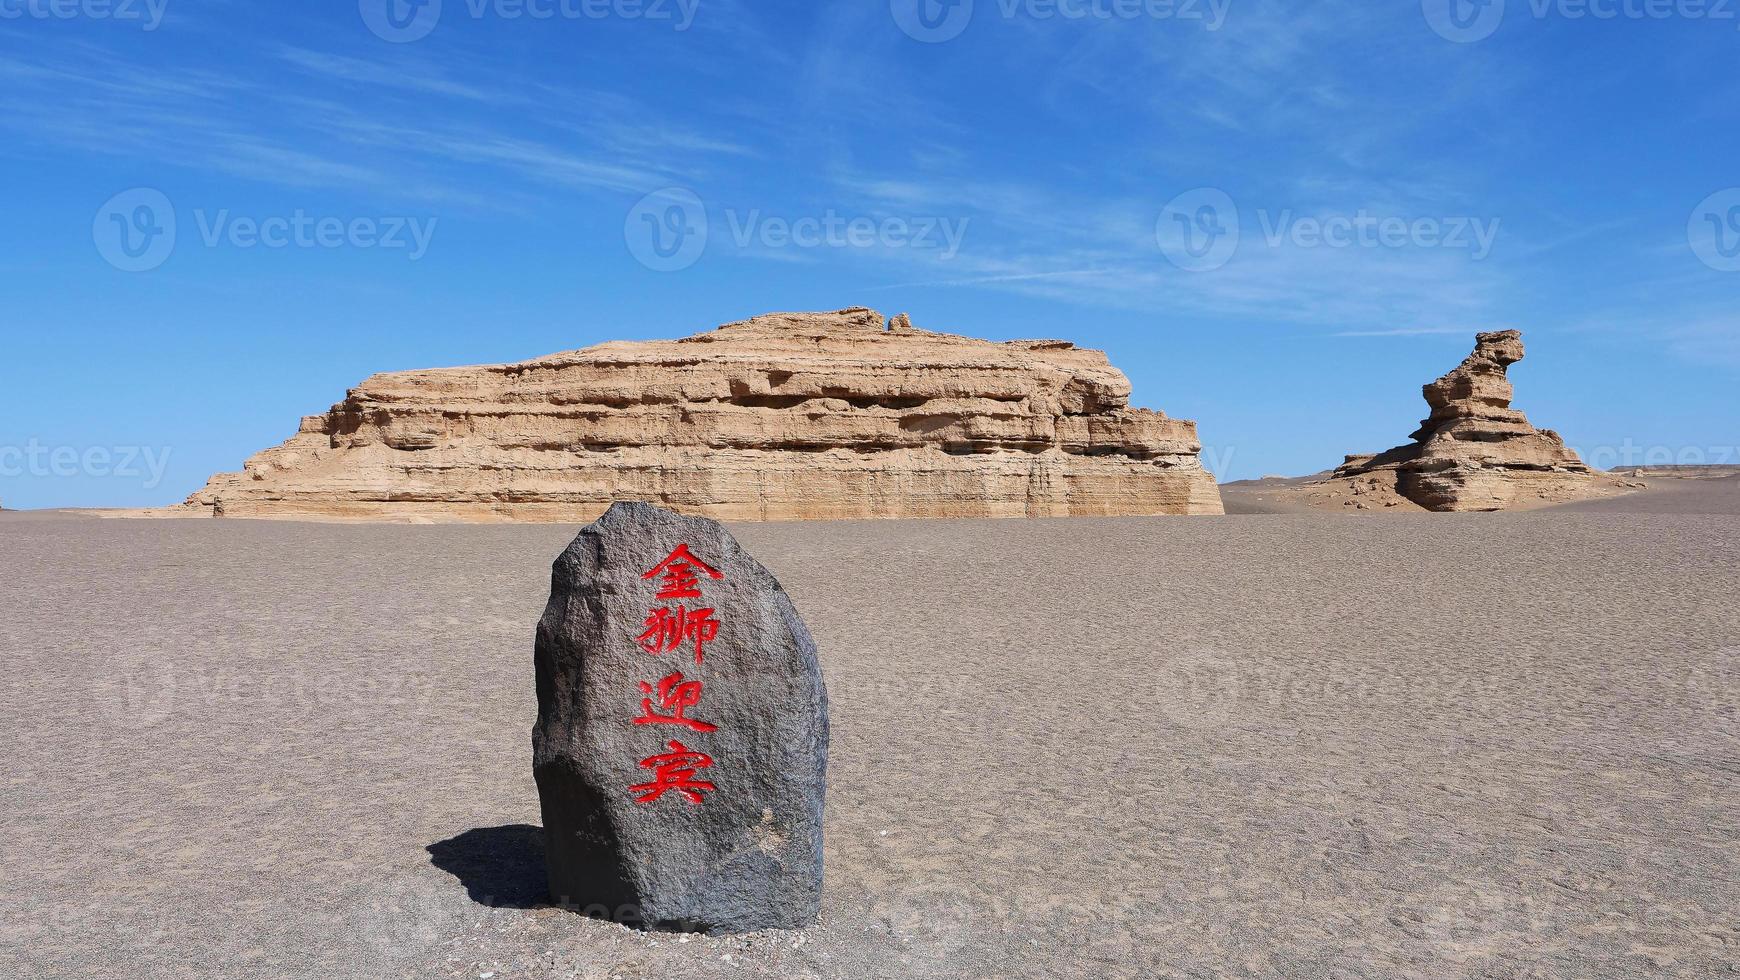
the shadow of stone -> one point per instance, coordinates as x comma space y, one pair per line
501, 867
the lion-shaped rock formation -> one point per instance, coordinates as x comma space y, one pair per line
1474, 452
788, 416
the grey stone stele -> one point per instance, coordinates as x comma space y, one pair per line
749, 856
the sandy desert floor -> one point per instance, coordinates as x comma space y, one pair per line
1289, 745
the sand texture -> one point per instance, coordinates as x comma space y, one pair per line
1294, 745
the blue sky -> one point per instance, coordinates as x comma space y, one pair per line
491, 187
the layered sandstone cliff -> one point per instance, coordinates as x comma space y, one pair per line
786, 416
1474, 452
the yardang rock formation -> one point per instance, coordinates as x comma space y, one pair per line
786, 416
1475, 452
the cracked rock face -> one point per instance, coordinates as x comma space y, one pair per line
681, 745
787, 416
1475, 452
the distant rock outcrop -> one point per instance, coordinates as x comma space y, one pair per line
787, 416
1475, 452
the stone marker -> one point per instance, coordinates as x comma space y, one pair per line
681, 746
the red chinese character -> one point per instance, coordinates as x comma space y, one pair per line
674, 770
679, 570
676, 696
667, 628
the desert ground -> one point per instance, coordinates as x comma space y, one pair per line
1267, 744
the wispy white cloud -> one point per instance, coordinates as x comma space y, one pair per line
420, 133
363, 72
1412, 332
995, 280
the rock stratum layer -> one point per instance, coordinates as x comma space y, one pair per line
788, 416
1474, 452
